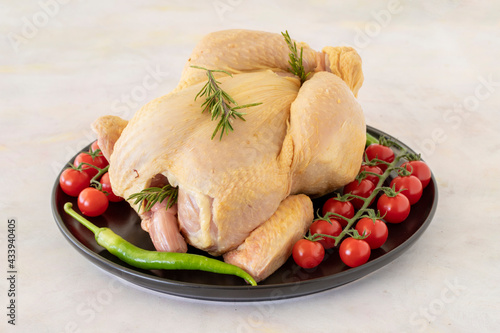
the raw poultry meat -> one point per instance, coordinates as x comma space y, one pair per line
269, 246
242, 196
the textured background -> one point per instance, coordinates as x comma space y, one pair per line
431, 79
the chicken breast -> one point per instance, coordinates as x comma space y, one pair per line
327, 129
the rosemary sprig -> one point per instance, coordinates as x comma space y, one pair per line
152, 195
218, 103
297, 68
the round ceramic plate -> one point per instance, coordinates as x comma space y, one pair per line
288, 281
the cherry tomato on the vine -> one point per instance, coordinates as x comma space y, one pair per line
308, 254
92, 202
364, 189
73, 181
394, 209
94, 146
106, 186
332, 228
376, 230
380, 152
374, 169
99, 161
344, 208
420, 170
411, 185
354, 252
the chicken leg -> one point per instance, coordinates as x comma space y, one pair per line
270, 245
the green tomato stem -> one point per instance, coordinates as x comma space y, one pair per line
368, 200
100, 173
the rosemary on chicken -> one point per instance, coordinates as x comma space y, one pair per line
218, 103
297, 68
151, 195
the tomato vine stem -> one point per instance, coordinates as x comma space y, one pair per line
370, 198
100, 172
367, 201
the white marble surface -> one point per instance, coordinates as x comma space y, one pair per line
426, 64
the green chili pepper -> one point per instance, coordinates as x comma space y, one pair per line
144, 259
370, 139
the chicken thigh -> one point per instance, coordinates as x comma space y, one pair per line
233, 192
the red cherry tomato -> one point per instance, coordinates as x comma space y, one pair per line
73, 181
106, 186
420, 170
394, 209
92, 202
376, 230
99, 161
412, 187
94, 146
363, 189
354, 252
374, 169
308, 254
380, 152
344, 208
332, 228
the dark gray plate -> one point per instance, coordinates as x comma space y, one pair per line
288, 281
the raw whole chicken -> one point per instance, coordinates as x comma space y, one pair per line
245, 196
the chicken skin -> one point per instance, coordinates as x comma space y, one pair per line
242, 196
